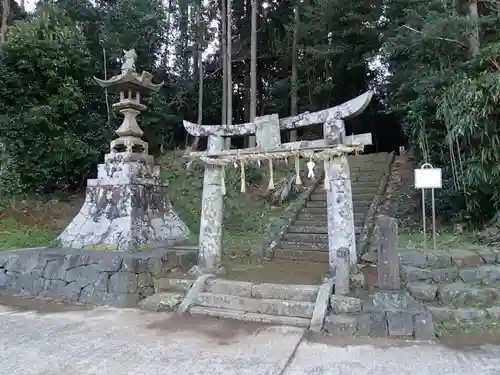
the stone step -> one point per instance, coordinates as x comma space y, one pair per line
308, 238
355, 197
363, 189
270, 291
320, 204
305, 217
308, 246
372, 180
304, 230
358, 210
161, 302
172, 285
366, 177
356, 185
268, 306
250, 317
320, 223
294, 254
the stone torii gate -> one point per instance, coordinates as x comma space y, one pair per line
333, 150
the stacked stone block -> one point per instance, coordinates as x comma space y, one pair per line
110, 278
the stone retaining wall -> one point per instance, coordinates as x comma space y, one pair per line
109, 278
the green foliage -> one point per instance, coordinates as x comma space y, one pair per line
447, 95
54, 121
46, 127
15, 236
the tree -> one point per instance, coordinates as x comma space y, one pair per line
45, 68
253, 68
444, 62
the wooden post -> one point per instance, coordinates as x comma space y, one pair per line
210, 239
388, 259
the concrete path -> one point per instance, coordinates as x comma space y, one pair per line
40, 338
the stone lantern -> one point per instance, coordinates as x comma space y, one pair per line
127, 206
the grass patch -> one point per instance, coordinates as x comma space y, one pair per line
37, 222
15, 235
445, 240
449, 328
246, 215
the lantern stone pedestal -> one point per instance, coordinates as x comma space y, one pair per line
127, 206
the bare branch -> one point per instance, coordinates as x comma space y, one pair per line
436, 37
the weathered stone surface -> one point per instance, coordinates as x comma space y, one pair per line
460, 294
222, 286
357, 280
384, 300
493, 312
72, 292
343, 305
373, 325
339, 204
487, 255
410, 274
388, 258
438, 259
400, 323
145, 280
413, 258
84, 276
424, 326
321, 306
466, 258
342, 280
161, 302
124, 214
445, 275
441, 313
261, 306
469, 275
123, 282
469, 315
210, 239
288, 292
135, 264
344, 325
490, 274
422, 291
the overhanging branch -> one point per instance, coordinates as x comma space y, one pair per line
436, 37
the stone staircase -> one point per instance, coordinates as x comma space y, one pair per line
265, 303
307, 237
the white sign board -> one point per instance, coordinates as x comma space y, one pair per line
428, 178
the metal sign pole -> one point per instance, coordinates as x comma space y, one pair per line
428, 167
423, 218
433, 220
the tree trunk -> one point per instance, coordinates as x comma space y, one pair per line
294, 93
229, 69
474, 42
5, 17
183, 26
199, 55
165, 56
253, 69
223, 17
